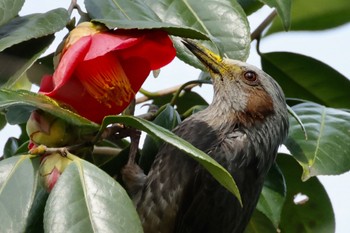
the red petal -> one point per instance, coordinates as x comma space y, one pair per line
136, 76
75, 95
70, 59
103, 43
156, 47
139, 52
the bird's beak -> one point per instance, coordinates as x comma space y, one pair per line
214, 63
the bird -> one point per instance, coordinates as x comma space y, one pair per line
241, 129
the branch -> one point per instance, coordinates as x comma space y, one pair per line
151, 95
74, 5
103, 150
258, 31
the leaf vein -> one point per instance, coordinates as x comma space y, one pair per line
322, 124
82, 178
121, 10
196, 16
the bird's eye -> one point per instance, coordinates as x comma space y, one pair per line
250, 76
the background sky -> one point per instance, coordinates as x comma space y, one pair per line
330, 46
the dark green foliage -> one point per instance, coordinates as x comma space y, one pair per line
318, 94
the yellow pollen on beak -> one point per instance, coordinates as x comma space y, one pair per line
105, 80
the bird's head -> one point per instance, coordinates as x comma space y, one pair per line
241, 89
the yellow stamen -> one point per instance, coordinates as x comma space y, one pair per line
105, 80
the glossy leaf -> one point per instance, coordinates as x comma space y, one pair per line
315, 81
2, 121
32, 26
35, 222
41, 67
18, 58
27, 100
10, 147
315, 15
168, 118
259, 223
224, 22
135, 14
18, 184
9, 9
185, 101
188, 100
283, 8
215, 169
314, 213
273, 196
113, 164
250, 6
326, 149
86, 199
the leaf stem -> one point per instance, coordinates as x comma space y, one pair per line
74, 5
256, 34
71, 7
104, 150
185, 87
151, 95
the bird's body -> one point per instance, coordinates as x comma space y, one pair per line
242, 130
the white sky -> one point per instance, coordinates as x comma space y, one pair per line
331, 47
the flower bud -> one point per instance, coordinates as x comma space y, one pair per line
46, 129
51, 168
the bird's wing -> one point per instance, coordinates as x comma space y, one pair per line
208, 207
170, 177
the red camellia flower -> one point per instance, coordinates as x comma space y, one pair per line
100, 71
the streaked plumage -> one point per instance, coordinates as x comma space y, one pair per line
241, 129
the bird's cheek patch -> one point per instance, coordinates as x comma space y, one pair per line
258, 107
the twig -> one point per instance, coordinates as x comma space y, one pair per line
256, 34
72, 6
151, 95
103, 150
42, 149
135, 139
184, 87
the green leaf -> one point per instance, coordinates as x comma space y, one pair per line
9, 9
17, 59
22, 99
326, 149
18, 115
41, 67
113, 164
32, 26
283, 8
273, 196
18, 184
314, 214
86, 199
10, 147
250, 6
36, 214
186, 101
306, 78
215, 169
168, 118
315, 15
135, 14
3, 121
224, 22
259, 223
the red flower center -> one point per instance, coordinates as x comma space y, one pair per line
105, 80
